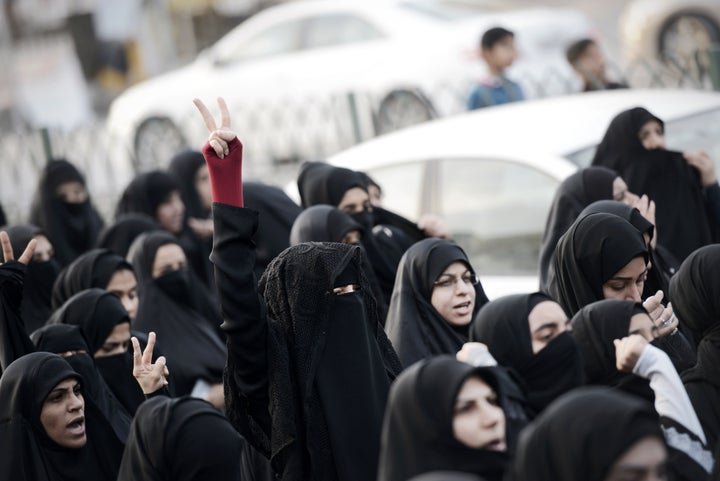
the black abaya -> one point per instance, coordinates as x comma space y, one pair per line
502, 325
28, 452
415, 328
594, 249
418, 428
71, 228
574, 194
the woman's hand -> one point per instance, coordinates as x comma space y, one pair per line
628, 351
151, 377
219, 137
476, 354
203, 228
647, 209
8, 253
663, 317
704, 164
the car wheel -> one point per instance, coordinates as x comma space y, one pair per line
402, 108
156, 142
686, 35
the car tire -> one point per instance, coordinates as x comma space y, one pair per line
682, 33
157, 140
402, 108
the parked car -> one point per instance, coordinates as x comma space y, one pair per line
306, 79
671, 30
492, 174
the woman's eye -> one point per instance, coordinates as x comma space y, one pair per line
444, 283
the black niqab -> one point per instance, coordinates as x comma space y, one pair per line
39, 278
595, 248
186, 439
666, 177
418, 428
190, 341
119, 237
581, 436
415, 328
28, 452
502, 325
71, 228
574, 194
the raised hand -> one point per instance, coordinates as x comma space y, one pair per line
219, 137
704, 164
663, 317
475, 353
8, 253
151, 377
628, 351
647, 209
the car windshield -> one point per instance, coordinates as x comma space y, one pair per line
694, 132
450, 11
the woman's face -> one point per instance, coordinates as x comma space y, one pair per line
646, 460
628, 282
354, 201
168, 258
622, 194
547, 320
202, 186
71, 192
652, 135
352, 237
170, 213
642, 324
43, 249
453, 294
62, 415
117, 342
478, 420
124, 285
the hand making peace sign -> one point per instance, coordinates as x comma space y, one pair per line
151, 377
8, 253
219, 137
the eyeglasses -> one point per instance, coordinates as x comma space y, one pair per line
450, 281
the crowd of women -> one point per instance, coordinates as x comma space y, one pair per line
217, 330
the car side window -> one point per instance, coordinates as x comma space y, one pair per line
496, 210
276, 40
402, 187
338, 29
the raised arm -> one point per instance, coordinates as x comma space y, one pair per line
233, 255
14, 341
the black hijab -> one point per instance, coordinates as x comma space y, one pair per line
28, 452
594, 328
581, 436
695, 294
502, 325
39, 278
320, 183
169, 307
414, 326
277, 213
594, 248
330, 366
146, 193
184, 166
186, 439
322, 223
61, 338
119, 237
665, 176
92, 269
71, 228
97, 312
446, 476
418, 427
574, 194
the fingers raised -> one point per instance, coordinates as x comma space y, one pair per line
7, 249
224, 114
28, 253
206, 115
137, 355
147, 355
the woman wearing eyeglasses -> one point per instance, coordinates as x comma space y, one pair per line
435, 297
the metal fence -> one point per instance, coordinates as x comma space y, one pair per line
278, 135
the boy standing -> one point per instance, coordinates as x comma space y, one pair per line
497, 47
587, 60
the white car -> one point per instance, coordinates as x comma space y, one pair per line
306, 79
492, 174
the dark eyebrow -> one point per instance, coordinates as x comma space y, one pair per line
627, 278
546, 325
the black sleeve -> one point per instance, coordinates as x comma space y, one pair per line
242, 309
14, 341
712, 197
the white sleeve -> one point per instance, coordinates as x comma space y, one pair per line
671, 399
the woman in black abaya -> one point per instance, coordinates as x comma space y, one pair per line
40, 274
695, 293
62, 208
634, 146
169, 305
435, 297
186, 439
592, 434
443, 414
529, 333
48, 430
